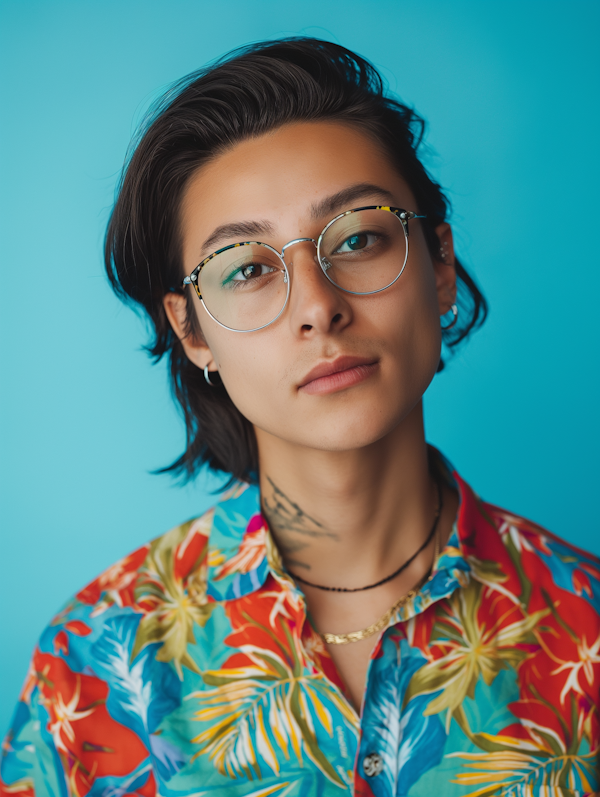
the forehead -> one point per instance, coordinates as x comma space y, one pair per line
279, 176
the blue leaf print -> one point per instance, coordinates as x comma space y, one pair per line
142, 692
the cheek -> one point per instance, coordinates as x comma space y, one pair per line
409, 321
251, 368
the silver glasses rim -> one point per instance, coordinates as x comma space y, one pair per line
287, 281
403, 216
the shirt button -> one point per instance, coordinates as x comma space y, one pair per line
372, 764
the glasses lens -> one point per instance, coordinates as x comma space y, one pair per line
244, 287
364, 251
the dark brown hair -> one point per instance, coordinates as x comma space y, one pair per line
249, 92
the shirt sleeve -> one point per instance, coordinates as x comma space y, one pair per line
31, 764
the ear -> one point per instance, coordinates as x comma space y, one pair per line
195, 346
445, 269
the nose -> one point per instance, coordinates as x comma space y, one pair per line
316, 305
296, 241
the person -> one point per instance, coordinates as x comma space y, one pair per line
350, 616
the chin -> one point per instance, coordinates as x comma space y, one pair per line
344, 434
351, 425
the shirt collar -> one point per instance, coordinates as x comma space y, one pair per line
242, 553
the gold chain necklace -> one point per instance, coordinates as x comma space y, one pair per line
378, 625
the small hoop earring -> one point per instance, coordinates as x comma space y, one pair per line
207, 377
454, 309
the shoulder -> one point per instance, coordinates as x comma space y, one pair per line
176, 553
528, 555
580, 568
541, 563
131, 605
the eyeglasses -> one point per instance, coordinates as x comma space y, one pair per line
245, 287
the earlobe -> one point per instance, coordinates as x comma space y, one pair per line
445, 269
195, 346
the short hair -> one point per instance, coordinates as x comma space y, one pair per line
252, 90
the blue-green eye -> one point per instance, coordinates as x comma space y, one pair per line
356, 243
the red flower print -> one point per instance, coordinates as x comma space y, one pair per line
61, 640
361, 787
251, 551
117, 584
191, 551
581, 583
90, 742
593, 571
78, 628
61, 643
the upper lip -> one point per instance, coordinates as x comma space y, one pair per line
335, 366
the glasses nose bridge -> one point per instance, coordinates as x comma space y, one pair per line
294, 242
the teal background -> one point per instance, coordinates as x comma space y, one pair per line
510, 90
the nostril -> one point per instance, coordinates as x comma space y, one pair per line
337, 317
306, 327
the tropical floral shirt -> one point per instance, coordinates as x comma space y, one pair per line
190, 668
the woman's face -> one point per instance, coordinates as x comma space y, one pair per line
391, 340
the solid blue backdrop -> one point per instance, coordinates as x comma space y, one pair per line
510, 90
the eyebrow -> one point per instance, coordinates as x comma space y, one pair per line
249, 230
340, 201
240, 230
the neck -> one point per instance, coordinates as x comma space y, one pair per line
348, 518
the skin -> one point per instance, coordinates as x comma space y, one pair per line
344, 475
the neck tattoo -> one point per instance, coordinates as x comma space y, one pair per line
293, 527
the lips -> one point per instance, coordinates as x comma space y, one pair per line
337, 366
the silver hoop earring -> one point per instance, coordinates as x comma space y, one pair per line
207, 377
454, 309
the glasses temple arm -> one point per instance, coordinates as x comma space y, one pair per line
406, 216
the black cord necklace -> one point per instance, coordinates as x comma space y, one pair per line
396, 572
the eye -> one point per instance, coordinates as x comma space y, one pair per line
251, 271
357, 242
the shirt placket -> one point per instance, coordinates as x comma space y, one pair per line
384, 723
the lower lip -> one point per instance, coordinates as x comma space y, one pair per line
339, 380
